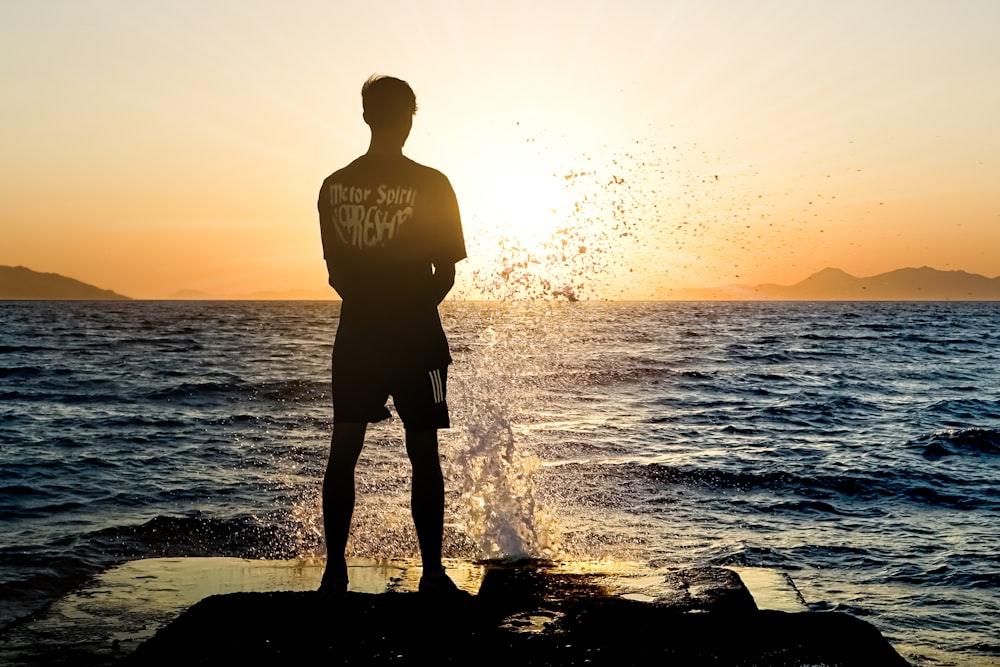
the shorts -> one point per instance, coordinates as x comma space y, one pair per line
419, 397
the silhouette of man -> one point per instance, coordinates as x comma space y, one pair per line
391, 238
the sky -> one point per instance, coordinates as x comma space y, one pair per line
608, 149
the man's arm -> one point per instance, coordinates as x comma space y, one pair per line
334, 262
442, 281
450, 242
337, 279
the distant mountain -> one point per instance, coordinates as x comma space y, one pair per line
290, 295
923, 284
19, 283
286, 295
191, 295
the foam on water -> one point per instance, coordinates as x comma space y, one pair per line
499, 509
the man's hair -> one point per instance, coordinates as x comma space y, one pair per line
387, 100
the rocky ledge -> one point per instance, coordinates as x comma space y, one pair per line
518, 615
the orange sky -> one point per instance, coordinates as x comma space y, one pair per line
157, 147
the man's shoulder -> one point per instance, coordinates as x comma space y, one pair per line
429, 173
368, 170
420, 166
352, 167
367, 163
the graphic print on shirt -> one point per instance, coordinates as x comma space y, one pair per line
366, 217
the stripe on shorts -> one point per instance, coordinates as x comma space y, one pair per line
436, 385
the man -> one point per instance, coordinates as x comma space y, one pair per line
391, 237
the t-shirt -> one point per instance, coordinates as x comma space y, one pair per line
386, 222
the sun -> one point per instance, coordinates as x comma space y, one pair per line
516, 217
544, 224
523, 203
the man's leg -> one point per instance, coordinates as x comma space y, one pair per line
427, 495
338, 496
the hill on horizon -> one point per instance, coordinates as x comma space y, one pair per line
830, 284
284, 295
18, 283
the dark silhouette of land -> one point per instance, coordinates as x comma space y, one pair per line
20, 283
923, 284
520, 616
186, 611
271, 295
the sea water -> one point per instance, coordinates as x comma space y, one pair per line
853, 446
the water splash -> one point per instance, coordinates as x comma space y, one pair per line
646, 218
617, 220
304, 527
498, 506
584, 250
502, 514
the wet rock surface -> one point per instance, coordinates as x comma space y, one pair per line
521, 615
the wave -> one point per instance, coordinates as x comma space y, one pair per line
111, 392
16, 349
955, 572
818, 507
280, 390
839, 337
815, 492
21, 490
21, 372
241, 536
969, 408
33, 576
959, 442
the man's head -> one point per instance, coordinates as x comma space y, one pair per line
388, 102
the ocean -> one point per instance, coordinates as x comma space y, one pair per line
853, 446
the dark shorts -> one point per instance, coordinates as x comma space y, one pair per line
419, 397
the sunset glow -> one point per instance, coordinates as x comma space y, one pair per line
154, 148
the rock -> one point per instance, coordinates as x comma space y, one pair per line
522, 615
